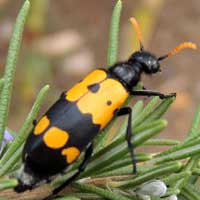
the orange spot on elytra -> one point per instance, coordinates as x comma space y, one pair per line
42, 125
102, 104
81, 88
55, 138
71, 154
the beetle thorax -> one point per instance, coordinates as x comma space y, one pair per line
126, 73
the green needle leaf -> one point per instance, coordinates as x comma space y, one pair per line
195, 124
187, 143
10, 163
175, 177
153, 174
101, 192
191, 191
67, 198
146, 111
24, 131
114, 34
7, 183
180, 154
160, 109
1, 84
161, 142
10, 68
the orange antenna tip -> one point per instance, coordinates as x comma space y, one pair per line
137, 30
177, 49
182, 46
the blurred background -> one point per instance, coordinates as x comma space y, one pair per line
64, 40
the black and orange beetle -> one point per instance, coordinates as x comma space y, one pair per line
70, 125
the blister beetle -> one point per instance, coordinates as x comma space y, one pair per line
70, 125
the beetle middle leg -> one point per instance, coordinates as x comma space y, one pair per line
88, 154
128, 111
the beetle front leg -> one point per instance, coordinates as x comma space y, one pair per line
150, 93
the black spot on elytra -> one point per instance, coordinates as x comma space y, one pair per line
93, 87
109, 102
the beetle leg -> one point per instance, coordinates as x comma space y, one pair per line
128, 111
63, 95
152, 93
88, 154
34, 122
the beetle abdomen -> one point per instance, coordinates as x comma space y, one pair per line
72, 122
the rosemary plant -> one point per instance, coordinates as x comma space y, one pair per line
171, 174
